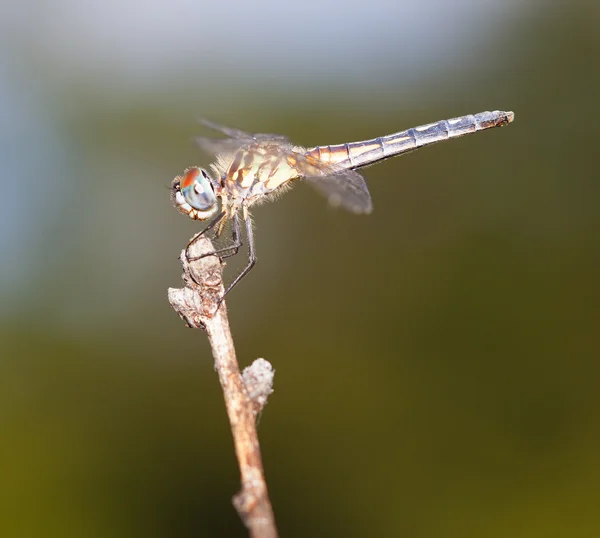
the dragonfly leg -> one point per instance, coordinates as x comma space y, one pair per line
220, 229
236, 241
208, 228
251, 257
222, 253
225, 252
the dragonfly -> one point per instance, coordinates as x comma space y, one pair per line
249, 169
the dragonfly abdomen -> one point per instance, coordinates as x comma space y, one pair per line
367, 152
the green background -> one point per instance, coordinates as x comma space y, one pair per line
436, 362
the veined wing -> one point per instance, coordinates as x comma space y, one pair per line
345, 188
239, 134
236, 139
342, 187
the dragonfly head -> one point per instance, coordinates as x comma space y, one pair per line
194, 194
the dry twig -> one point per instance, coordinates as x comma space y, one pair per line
244, 397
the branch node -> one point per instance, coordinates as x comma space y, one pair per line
258, 378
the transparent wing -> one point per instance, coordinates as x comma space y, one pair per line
227, 131
342, 187
346, 188
236, 139
215, 146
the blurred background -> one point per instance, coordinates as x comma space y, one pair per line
437, 361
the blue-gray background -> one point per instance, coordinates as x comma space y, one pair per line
436, 361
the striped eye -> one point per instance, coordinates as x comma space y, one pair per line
197, 189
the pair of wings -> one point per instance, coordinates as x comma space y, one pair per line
342, 187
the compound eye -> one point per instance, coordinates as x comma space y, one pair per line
197, 189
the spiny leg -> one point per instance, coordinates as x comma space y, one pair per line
220, 228
225, 252
235, 238
231, 250
251, 256
208, 227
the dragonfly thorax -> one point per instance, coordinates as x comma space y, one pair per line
256, 170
